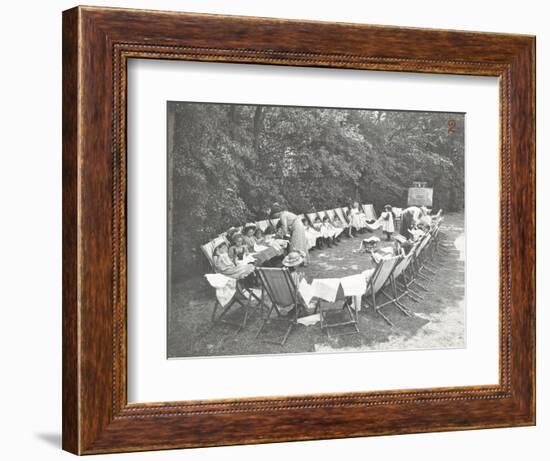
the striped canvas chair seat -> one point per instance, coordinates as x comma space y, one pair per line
331, 214
208, 249
340, 213
382, 274
369, 211
311, 217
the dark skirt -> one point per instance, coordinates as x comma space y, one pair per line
406, 224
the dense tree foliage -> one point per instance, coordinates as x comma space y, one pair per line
229, 163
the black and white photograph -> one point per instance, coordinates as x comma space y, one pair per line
313, 230
273, 230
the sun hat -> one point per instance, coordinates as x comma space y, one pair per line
249, 226
294, 258
276, 208
371, 240
218, 243
235, 236
231, 232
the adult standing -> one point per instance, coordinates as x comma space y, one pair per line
410, 218
292, 224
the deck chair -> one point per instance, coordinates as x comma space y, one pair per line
399, 284
239, 298
345, 210
340, 213
369, 211
208, 249
262, 225
321, 214
312, 217
280, 288
331, 214
442, 245
334, 319
274, 222
379, 280
243, 295
417, 263
405, 277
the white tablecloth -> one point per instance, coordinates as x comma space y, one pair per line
331, 289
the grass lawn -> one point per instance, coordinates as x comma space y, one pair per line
439, 322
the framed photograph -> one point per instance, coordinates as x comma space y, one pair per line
282, 230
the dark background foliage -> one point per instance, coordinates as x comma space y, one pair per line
229, 163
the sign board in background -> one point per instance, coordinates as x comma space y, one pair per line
420, 196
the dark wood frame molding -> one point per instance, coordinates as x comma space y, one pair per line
97, 43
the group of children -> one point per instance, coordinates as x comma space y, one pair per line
237, 254
323, 232
360, 224
235, 259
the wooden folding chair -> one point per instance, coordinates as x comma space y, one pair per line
369, 211
263, 224
331, 215
405, 277
418, 264
379, 279
283, 293
240, 299
332, 319
399, 279
340, 213
312, 217
208, 249
243, 295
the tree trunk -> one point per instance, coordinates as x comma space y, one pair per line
258, 125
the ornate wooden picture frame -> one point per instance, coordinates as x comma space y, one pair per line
97, 44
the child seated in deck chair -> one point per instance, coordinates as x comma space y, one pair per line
317, 224
248, 237
312, 236
403, 246
337, 223
260, 238
328, 231
324, 232
225, 265
238, 252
